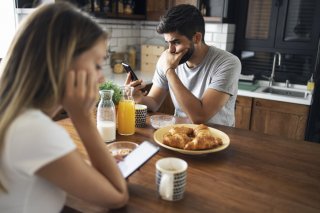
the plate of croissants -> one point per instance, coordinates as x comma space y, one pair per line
192, 139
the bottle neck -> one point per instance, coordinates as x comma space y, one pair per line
106, 95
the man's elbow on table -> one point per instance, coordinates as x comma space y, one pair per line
209, 108
199, 119
203, 116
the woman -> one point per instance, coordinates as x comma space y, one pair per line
54, 61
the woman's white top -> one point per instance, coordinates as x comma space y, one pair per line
32, 141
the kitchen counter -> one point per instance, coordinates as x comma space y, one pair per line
256, 93
262, 85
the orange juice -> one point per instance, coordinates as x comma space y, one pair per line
126, 117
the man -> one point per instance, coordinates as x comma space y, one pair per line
202, 80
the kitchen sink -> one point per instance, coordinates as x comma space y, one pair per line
285, 92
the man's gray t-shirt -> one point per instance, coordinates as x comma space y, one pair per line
219, 70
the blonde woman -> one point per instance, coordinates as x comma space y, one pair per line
54, 61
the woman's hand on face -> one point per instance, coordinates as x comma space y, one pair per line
80, 93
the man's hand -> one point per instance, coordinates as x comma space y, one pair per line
138, 85
171, 60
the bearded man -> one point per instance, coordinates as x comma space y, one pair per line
202, 80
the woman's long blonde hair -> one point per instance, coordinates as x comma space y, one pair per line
34, 70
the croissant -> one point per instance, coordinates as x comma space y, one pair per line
199, 128
198, 143
178, 140
187, 138
181, 130
203, 140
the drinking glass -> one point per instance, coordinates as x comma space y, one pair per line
126, 112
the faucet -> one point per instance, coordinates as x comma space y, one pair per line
287, 83
271, 79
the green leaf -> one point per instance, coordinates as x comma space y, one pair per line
110, 85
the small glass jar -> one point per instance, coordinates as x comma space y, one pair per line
117, 67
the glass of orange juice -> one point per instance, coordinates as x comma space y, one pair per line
126, 112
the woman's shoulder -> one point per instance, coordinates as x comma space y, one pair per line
34, 124
32, 119
34, 140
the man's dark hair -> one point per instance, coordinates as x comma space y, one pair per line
184, 19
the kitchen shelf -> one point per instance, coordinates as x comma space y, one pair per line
119, 16
217, 19
113, 11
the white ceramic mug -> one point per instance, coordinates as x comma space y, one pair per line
171, 178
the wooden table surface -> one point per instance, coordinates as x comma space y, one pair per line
256, 173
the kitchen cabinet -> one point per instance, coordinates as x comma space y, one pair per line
119, 9
280, 24
271, 117
217, 10
243, 112
156, 8
212, 10
279, 118
150, 54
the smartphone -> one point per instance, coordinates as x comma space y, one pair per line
137, 158
129, 70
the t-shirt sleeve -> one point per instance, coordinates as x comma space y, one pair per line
159, 78
226, 77
37, 145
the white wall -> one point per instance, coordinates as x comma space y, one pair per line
7, 25
220, 35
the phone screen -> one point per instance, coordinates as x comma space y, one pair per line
129, 70
137, 158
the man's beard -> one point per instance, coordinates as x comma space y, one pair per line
188, 55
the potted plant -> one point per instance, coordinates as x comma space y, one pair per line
110, 85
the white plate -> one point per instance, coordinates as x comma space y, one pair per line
158, 137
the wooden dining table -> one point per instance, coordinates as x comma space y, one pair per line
255, 173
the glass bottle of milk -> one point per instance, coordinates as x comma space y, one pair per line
106, 116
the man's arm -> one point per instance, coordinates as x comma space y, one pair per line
198, 110
153, 100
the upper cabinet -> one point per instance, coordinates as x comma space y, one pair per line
119, 9
156, 8
281, 24
31, 3
217, 10
212, 10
